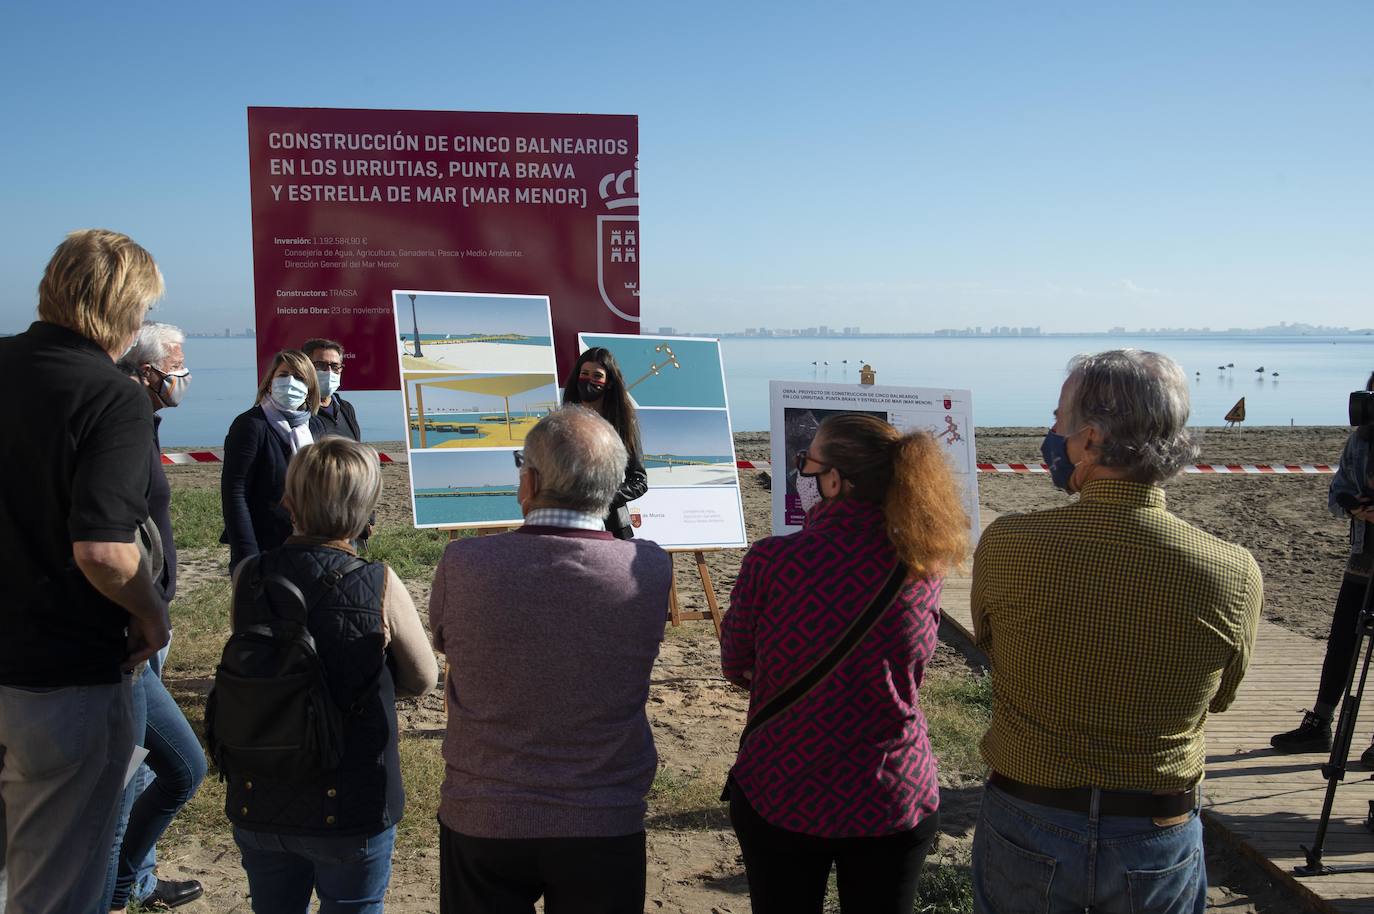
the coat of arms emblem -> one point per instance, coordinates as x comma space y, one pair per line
618, 244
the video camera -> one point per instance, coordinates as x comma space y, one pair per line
1362, 407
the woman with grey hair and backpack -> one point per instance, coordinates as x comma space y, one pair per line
302, 718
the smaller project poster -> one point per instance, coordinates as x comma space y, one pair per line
797, 409
477, 372
677, 385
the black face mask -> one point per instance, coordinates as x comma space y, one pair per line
590, 390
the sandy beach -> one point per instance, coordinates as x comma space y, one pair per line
692, 475
438, 355
694, 861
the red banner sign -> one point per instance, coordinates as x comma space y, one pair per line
351, 204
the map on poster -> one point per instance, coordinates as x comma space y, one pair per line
476, 373
797, 409
678, 387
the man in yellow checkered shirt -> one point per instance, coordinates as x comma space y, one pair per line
1113, 628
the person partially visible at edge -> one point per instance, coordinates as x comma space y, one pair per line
257, 450
81, 612
845, 775
336, 836
596, 383
1350, 497
548, 753
1113, 629
175, 764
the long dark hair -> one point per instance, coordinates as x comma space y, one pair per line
616, 407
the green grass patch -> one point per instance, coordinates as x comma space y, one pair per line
687, 800
197, 517
413, 554
422, 773
945, 888
958, 707
200, 620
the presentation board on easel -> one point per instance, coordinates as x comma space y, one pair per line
797, 408
677, 385
477, 372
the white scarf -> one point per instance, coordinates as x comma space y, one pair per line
292, 425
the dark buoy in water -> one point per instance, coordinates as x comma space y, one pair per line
1276, 374
1259, 370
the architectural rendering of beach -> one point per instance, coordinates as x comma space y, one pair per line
464, 331
687, 447
476, 410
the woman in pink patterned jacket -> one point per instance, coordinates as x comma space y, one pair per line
844, 774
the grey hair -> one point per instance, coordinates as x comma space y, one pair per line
1139, 403
151, 345
580, 460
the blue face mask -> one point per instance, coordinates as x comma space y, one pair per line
289, 393
329, 383
1055, 450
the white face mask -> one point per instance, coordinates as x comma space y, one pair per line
289, 393
329, 383
809, 491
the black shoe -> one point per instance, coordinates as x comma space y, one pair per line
172, 894
1367, 759
1312, 735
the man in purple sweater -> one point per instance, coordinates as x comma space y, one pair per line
550, 634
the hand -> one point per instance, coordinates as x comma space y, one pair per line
146, 638
1364, 513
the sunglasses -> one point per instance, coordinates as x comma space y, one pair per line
519, 458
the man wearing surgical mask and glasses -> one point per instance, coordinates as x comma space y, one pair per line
336, 413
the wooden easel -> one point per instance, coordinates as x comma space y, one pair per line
675, 614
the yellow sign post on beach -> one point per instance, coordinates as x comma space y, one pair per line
1237, 414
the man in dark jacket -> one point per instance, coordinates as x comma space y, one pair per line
335, 412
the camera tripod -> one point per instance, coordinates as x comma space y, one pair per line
1335, 768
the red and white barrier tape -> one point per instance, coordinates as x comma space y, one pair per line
183, 457
1215, 469
1206, 469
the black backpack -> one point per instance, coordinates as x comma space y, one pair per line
270, 713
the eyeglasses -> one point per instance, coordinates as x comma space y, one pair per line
335, 367
519, 458
803, 456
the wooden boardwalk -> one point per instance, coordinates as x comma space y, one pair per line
1262, 803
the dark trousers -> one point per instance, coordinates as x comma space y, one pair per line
507, 875
788, 872
1340, 643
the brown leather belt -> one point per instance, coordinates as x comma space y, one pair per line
1110, 803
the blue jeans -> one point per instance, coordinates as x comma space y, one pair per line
177, 765
1032, 858
349, 874
63, 754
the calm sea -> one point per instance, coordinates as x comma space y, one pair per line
1015, 381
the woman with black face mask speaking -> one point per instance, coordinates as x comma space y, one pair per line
596, 383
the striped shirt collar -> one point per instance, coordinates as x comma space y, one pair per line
1123, 491
562, 517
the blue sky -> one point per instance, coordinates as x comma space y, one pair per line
899, 166
430, 470
685, 432
467, 314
